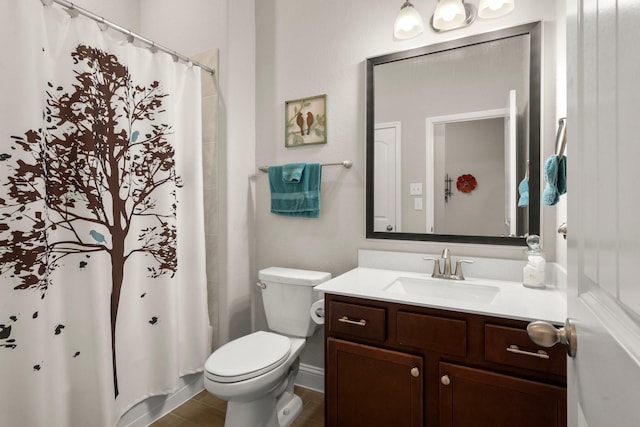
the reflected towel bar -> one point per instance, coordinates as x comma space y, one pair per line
346, 163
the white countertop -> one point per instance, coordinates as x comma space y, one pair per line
512, 301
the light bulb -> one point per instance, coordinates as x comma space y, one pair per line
449, 14
408, 23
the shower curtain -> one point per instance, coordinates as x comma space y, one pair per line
102, 262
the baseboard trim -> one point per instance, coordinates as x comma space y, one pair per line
153, 408
310, 377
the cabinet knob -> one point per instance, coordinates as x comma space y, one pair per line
415, 372
445, 380
389, 228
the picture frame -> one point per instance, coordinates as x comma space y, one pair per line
306, 121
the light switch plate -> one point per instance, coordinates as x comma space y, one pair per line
417, 203
415, 189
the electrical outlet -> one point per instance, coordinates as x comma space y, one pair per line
415, 189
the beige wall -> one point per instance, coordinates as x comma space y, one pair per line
296, 49
474, 147
318, 47
414, 90
195, 26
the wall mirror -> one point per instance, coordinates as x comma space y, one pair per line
453, 131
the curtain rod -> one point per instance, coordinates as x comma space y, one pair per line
104, 24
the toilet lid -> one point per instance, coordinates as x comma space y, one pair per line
248, 357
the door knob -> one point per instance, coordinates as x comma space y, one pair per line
546, 335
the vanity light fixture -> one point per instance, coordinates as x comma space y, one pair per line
488, 9
408, 23
452, 14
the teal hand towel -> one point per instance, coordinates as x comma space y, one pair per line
555, 174
292, 172
523, 189
299, 199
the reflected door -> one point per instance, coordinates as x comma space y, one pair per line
386, 205
510, 154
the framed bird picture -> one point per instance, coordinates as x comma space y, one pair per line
306, 121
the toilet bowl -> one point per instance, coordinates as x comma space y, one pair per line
255, 373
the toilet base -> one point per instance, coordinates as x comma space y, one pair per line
288, 414
263, 412
278, 408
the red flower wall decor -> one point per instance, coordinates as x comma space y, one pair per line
466, 183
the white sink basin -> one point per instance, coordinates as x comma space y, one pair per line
444, 289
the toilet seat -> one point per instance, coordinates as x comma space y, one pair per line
247, 357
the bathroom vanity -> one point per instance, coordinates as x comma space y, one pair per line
400, 354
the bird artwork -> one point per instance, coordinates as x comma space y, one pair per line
309, 121
300, 122
98, 237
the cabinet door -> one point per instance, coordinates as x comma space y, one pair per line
473, 397
372, 387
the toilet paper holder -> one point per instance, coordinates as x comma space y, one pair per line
317, 311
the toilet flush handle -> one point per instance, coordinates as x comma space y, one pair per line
261, 285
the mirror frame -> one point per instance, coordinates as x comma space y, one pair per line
535, 51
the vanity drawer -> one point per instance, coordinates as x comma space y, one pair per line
357, 320
513, 347
432, 333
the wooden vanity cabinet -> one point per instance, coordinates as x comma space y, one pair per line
390, 364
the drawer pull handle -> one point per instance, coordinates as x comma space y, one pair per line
445, 380
345, 319
415, 372
540, 354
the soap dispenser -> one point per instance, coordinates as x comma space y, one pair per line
533, 272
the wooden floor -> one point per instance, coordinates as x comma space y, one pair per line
206, 410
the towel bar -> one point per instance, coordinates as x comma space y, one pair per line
561, 137
346, 163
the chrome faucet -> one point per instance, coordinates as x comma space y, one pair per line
446, 274
446, 255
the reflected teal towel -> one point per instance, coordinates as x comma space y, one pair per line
555, 174
523, 189
562, 175
292, 198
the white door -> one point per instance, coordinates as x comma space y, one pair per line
603, 152
510, 165
386, 180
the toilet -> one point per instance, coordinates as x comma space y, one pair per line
255, 373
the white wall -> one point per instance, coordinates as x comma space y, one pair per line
125, 13
316, 47
193, 27
296, 49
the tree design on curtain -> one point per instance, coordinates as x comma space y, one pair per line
96, 179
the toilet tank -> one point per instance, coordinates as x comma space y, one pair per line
287, 296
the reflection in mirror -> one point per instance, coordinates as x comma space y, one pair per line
452, 130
